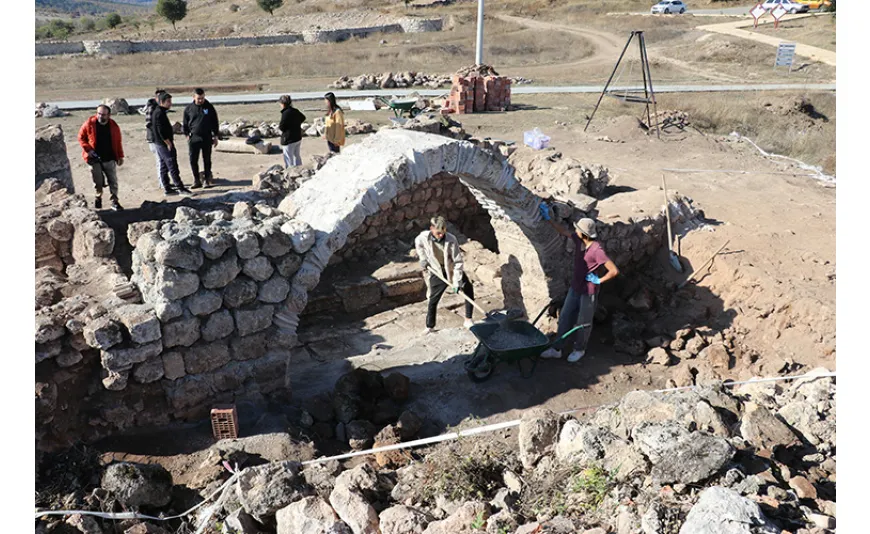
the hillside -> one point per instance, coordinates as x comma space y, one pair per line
94, 7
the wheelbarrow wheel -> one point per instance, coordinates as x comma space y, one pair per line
480, 366
413, 112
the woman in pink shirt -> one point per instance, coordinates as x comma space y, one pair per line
579, 307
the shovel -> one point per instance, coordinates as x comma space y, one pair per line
498, 316
672, 256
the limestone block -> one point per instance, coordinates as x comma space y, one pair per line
173, 365
274, 290
253, 320
249, 347
149, 371
181, 332
175, 284
204, 302
60, 230
275, 242
184, 214
165, 309
288, 265
359, 294
48, 329
242, 210
397, 288
205, 357
259, 268
214, 242
93, 239
231, 376
301, 235
188, 391
180, 253
121, 360
141, 322
102, 333
247, 244
221, 272
239, 292
115, 381
218, 325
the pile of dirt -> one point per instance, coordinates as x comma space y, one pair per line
623, 128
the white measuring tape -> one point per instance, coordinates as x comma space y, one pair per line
404, 445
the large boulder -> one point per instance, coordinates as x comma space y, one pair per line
763, 429
586, 444
403, 520
349, 501
265, 489
51, 157
723, 511
680, 456
539, 429
311, 515
138, 485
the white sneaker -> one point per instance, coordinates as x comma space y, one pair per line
576, 355
468, 323
551, 353
428, 331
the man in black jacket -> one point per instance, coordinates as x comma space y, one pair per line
201, 128
150, 106
164, 139
291, 132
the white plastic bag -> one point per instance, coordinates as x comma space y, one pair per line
536, 139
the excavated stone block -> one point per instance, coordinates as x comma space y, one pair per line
204, 302
141, 322
121, 360
182, 332
102, 333
247, 244
205, 357
253, 320
218, 325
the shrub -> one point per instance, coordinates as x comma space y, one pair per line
172, 10
270, 5
87, 24
112, 20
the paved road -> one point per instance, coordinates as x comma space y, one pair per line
255, 98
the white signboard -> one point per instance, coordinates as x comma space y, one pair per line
785, 55
757, 12
778, 12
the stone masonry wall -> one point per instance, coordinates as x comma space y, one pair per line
407, 25
51, 157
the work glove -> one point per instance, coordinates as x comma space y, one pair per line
454, 290
545, 210
592, 278
93, 154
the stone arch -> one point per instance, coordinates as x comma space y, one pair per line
370, 174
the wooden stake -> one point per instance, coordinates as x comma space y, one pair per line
686, 281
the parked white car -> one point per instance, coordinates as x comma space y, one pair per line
788, 5
669, 6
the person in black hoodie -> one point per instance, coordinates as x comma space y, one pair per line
150, 106
164, 139
291, 132
201, 128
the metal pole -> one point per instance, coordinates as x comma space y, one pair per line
651, 91
478, 56
606, 85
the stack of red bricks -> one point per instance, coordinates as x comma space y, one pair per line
474, 94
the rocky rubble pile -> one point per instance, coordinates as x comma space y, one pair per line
401, 80
364, 410
431, 123
757, 458
249, 129
48, 111
547, 173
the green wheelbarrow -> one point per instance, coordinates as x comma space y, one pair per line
400, 107
509, 341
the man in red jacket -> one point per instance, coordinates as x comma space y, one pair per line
100, 138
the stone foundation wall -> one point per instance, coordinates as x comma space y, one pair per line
408, 25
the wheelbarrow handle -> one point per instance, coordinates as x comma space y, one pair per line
568, 333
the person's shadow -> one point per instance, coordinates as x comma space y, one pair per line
511, 287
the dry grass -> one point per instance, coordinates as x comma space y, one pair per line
820, 31
307, 66
768, 119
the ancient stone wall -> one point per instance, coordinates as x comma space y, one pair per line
60, 48
408, 25
51, 158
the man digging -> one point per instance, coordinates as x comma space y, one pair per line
100, 139
579, 306
438, 250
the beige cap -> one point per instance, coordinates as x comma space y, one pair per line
586, 227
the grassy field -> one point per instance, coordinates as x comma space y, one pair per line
820, 31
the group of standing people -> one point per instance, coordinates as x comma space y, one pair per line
102, 148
